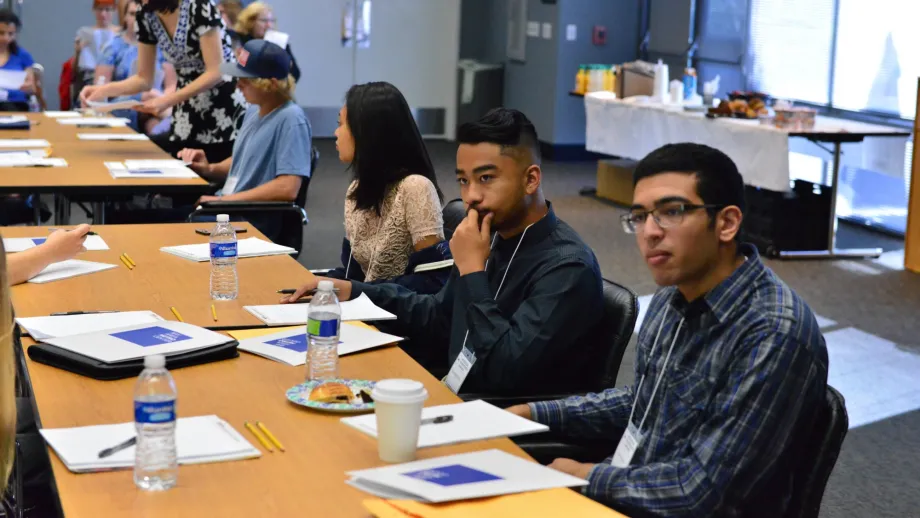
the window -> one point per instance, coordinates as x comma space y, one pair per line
790, 48
877, 63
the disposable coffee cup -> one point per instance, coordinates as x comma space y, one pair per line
398, 404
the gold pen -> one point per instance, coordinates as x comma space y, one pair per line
252, 429
270, 436
125, 262
176, 312
214, 312
128, 257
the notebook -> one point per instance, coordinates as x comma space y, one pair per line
41, 328
30, 161
199, 440
361, 308
23, 143
460, 477
67, 269
105, 106
12, 79
249, 247
136, 341
155, 169
290, 346
21, 244
102, 122
62, 114
111, 136
472, 421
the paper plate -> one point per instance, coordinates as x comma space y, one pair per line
300, 394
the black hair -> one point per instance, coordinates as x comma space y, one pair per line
388, 144
162, 6
718, 181
9, 17
508, 128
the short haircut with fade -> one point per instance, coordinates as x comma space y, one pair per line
718, 181
509, 129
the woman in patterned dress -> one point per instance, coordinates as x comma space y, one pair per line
206, 108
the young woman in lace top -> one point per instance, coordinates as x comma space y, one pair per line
393, 218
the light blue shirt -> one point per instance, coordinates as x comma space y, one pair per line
268, 147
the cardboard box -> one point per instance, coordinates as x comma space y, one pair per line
615, 180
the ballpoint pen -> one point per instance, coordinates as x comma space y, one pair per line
67, 313
291, 291
437, 420
118, 447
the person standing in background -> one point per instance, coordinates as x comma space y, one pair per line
256, 20
91, 40
229, 13
207, 108
119, 61
16, 59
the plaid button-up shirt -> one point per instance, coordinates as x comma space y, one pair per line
748, 364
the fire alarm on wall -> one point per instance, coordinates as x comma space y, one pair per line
600, 35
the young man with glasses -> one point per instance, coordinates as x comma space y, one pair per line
731, 365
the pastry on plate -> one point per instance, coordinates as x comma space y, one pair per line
332, 392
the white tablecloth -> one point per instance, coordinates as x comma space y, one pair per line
761, 152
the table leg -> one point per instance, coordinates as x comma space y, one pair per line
37, 209
98, 213
832, 252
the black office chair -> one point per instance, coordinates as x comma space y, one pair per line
818, 454
293, 215
454, 212
621, 308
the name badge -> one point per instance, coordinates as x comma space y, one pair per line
629, 443
230, 186
460, 369
4, 95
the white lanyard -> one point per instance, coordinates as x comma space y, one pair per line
664, 368
465, 360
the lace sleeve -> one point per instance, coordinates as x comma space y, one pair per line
422, 208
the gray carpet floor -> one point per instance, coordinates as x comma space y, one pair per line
878, 473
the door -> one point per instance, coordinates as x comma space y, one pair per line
413, 44
327, 66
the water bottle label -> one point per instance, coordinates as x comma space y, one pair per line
221, 250
150, 412
323, 328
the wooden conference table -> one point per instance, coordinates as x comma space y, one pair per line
86, 174
306, 480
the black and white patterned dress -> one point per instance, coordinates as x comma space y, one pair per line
210, 117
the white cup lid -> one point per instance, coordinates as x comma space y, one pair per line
399, 391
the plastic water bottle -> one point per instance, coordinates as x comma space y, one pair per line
224, 282
155, 464
323, 319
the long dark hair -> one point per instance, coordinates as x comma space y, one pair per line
388, 145
162, 6
7, 16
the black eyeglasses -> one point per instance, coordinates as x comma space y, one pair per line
665, 216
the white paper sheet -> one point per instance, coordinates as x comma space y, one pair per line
41, 328
290, 346
62, 115
12, 79
473, 421
249, 247
360, 308
18, 160
113, 137
137, 341
23, 143
21, 244
175, 169
106, 107
461, 477
102, 122
199, 440
277, 37
67, 269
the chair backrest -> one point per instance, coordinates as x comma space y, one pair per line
453, 213
621, 309
301, 199
817, 454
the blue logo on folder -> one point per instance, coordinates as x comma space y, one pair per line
295, 343
453, 475
39, 240
144, 171
150, 336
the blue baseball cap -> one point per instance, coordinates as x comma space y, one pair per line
259, 59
